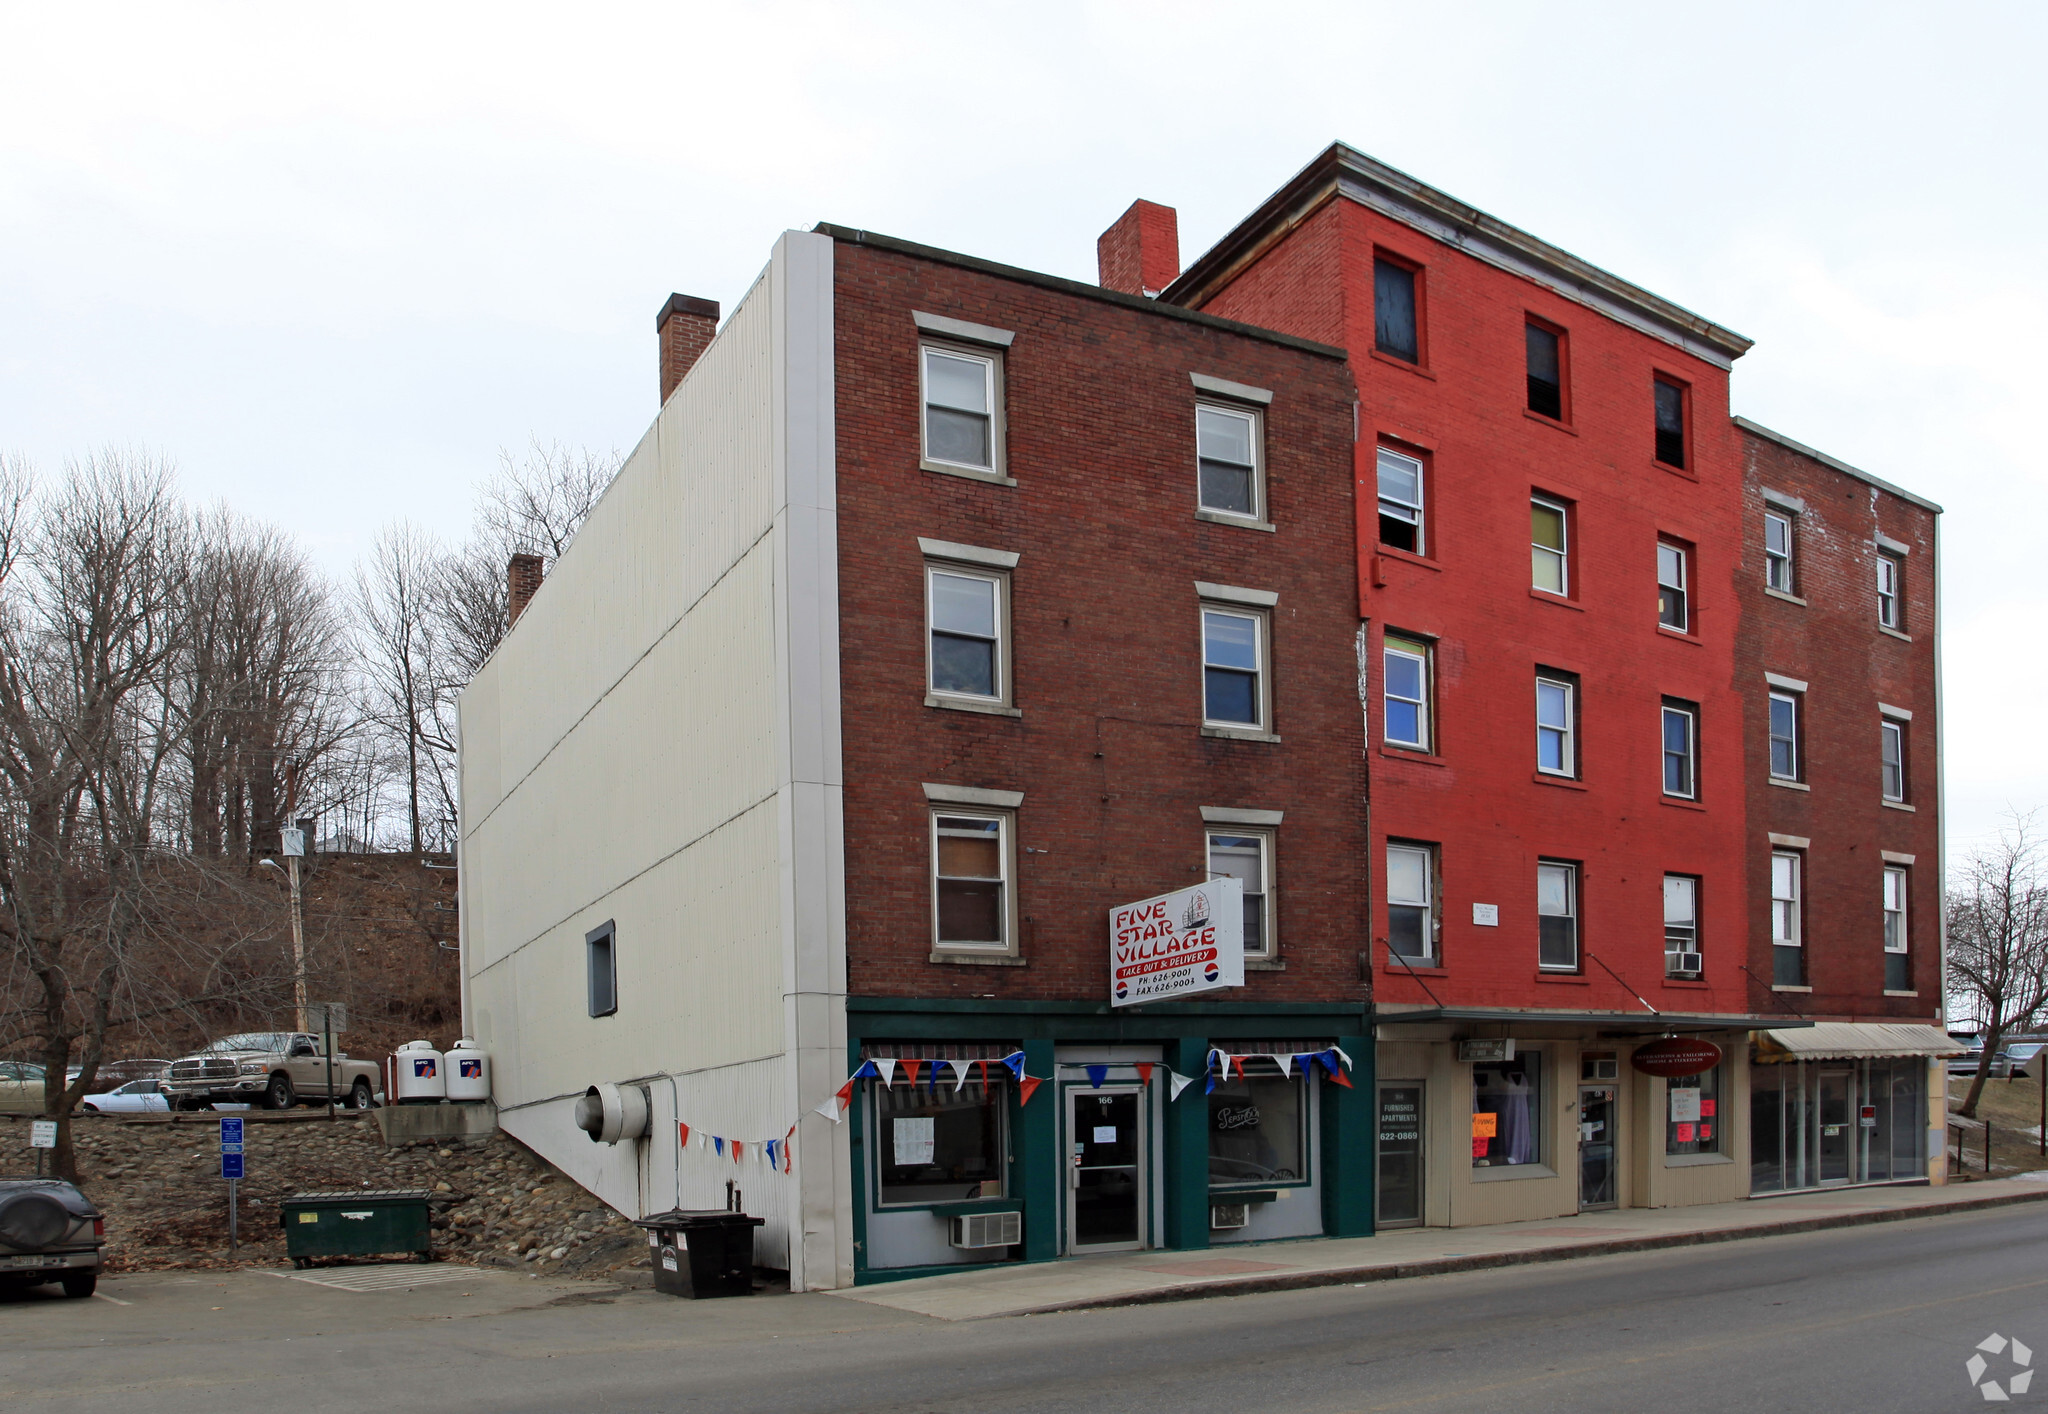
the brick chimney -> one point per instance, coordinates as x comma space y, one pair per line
1140, 254
684, 327
522, 582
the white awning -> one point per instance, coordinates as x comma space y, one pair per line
1854, 1040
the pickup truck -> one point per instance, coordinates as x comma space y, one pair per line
274, 1069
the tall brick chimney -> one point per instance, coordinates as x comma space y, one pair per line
522, 582
1140, 254
684, 327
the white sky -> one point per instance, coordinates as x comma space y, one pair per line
331, 261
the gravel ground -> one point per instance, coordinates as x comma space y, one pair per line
496, 1202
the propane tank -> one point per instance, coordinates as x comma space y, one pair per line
422, 1074
469, 1071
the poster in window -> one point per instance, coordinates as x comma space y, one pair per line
1685, 1108
914, 1141
1684, 1135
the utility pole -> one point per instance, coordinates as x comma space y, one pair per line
294, 842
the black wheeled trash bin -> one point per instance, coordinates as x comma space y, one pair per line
707, 1252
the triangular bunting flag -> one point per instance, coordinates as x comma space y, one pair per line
910, 1065
1176, 1083
984, 1073
1286, 1064
1026, 1088
1015, 1061
1144, 1072
867, 1071
770, 1147
1329, 1061
961, 1069
682, 1134
735, 1151
886, 1069
1095, 1075
719, 1145
1347, 1058
1341, 1078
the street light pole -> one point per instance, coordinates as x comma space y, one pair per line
298, 944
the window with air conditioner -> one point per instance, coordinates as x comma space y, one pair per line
1682, 927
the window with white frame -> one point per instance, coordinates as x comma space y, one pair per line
1556, 726
1788, 965
1233, 668
1890, 575
1247, 856
1682, 927
1406, 691
1674, 606
1411, 903
1778, 565
960, 424
971, 898
965, 616
1892, 751
1681, 749
1898, 975
1549, 554
1557, 916
1401, 516
1785, 736
1227, 455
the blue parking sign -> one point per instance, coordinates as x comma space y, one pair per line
231, 1131
231, 1164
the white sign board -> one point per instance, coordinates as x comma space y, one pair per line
1178, 944
1685, 1105
1486, 915
294, 841
42, 1134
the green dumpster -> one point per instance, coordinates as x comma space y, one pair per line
363, 1222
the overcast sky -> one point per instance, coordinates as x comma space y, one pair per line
331, 259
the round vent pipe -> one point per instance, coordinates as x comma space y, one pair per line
609, 1113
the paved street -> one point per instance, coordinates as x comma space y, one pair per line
1872, 1319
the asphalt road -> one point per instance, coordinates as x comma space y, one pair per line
1871, 1320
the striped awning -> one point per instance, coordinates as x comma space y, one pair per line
1854, 1040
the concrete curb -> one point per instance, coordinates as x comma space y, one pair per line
1441, 1266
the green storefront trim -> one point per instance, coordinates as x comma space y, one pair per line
1185, 1031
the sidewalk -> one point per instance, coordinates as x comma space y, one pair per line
1131, 1278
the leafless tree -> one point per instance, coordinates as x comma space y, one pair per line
536, 502
1998, 939
401, 662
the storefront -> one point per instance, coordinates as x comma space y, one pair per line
1490, 1117
1839, 1103
990, 1133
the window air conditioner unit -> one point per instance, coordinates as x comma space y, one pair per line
988, 1229
1228, 1215
1682, 964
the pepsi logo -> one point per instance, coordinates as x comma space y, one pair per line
1123, 989
1211, 972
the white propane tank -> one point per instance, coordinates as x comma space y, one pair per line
469, 1071
422, 1074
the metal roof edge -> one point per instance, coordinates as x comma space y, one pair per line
1340, 169
1079, 288
1758, 429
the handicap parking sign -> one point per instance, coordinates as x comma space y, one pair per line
231, 1164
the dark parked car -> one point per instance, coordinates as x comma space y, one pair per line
49, 1231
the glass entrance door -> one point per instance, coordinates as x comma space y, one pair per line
1837, 1126
1400, 1156
1105, 1170
1596, 1147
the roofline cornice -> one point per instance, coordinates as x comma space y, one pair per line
1341, 171
1757, 429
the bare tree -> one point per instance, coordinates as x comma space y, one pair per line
402, 670
1998, 938
535, 503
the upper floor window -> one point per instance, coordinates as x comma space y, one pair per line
1227, 449
1246, 855
960, 425
1233, 668
1778, 552
965, 613
1396, 327
1546, 369
1681, 926
1411, 903
1556, 729
971, 902
1892, 751
1788, 967
1670, 423
1407, 676
1891, 571
1557, 916
1785, 736
1898, 975
1674, 608
1401, 524
1681, 750
1549, 568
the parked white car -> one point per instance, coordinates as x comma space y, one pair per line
136, 1097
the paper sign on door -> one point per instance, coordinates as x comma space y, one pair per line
914, 1141
1105, 1134
1485, 1126
1685, 1106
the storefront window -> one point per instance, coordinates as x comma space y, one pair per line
1257, 1128
1692, 1120
1507, 1112
1843, 1121
940, 1145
